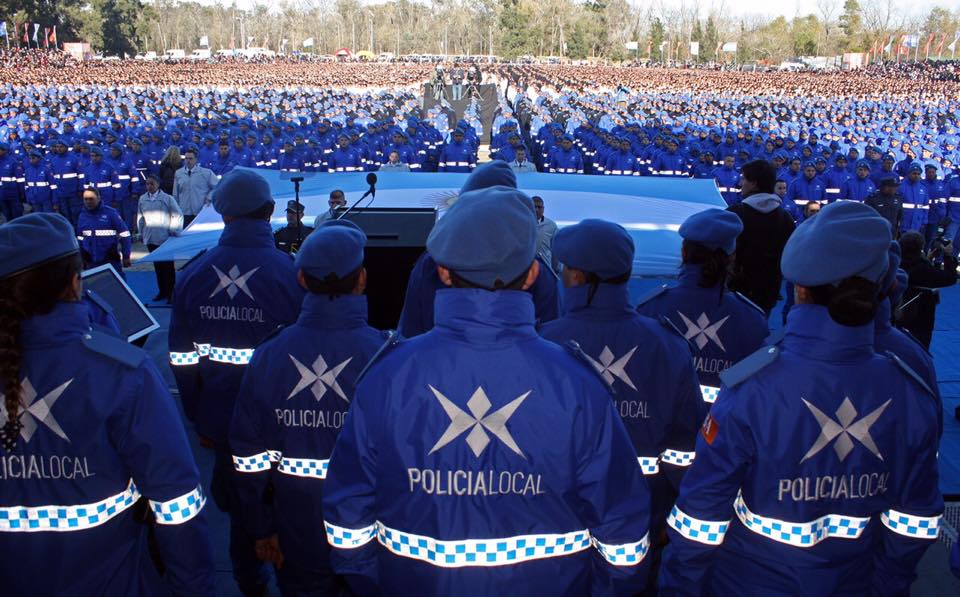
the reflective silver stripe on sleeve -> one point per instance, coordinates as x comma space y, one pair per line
29, 519
625, 554
800, 534
677, 457
708, 532
345, 538
709, 393
255, 463
908, 525
304, 467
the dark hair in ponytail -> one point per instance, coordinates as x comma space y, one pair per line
33, 292
853, 302
715, 262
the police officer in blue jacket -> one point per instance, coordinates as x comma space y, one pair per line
292, 403
722, 326
88, 428
816, 469
424, 282
480, 459
103, 235
645, 361
225, 303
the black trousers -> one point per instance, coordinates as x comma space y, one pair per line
166, 275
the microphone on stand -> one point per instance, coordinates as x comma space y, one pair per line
371, 192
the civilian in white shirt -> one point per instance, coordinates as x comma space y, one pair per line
192, 186
394, 164
521, 164
546, 230
159, 217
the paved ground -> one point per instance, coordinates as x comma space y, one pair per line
934, 580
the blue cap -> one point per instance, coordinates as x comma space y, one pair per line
915, 167
488, 237
35, 153
332, 252
241, 192
97, 150
893, 263
595, 246
491, 174
846, 239
33, 240
713, 228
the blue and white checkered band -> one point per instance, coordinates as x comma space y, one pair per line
349, 538
677, 458
649, 465
709, 532
217, 354
481, 552
257, 462
66, 518
627, 554
908, 525
180, 509
304, 467
801, 534
709, 394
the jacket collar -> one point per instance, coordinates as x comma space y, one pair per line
344, 312
483, 316
811, 332
67, 320
247, 233
609, 300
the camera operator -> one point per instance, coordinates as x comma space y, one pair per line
926, 273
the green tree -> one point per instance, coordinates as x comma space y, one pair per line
851, 23
656, 39
515, 23
804, 32
711, 38
696, 34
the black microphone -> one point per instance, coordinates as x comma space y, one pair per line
371, 192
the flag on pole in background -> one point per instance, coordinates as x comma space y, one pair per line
205, 41
36, 29
926, 48
3, 29
26, 34
730, 46
943, 39
308, 43
889, 47
694, 48
46, 37
53, 36
953, 45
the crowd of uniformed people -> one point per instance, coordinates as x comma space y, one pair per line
518, 434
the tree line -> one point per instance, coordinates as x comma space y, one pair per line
575, 29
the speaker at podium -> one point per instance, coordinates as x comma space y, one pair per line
396, 237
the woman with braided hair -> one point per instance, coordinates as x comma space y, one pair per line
88, 428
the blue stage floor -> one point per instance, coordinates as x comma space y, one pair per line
934, 576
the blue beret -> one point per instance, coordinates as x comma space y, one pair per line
57, 142
492, 174
893, 263
713, 228
332, 251
915, 167
241, 192
595, 246
96, 149
863, 164
488, 237
117, 147
33, 240
846, 239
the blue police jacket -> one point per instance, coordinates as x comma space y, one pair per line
424, 282
11, 178
225, 303
916, 205
457, 157
100, 431
938, 192
66, 171
834, 179
888, 338
728, 183
803, 190
485, 460
345, 160
125, 173
670, 164
291, 407
655, 389
722, 327
621, 163
953, 199
102, 177
100, 231
816, 472
566, 161
39, 184
857, 189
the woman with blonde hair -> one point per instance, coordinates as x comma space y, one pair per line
169, 165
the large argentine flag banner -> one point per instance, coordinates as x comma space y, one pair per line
650, 208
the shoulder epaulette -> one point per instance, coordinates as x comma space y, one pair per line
573, 347
270, 335
392, 339
749, 366
910, 372
192, 259
652, 294
775, 337
751, 303
668, 323
98, 300
114, 348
